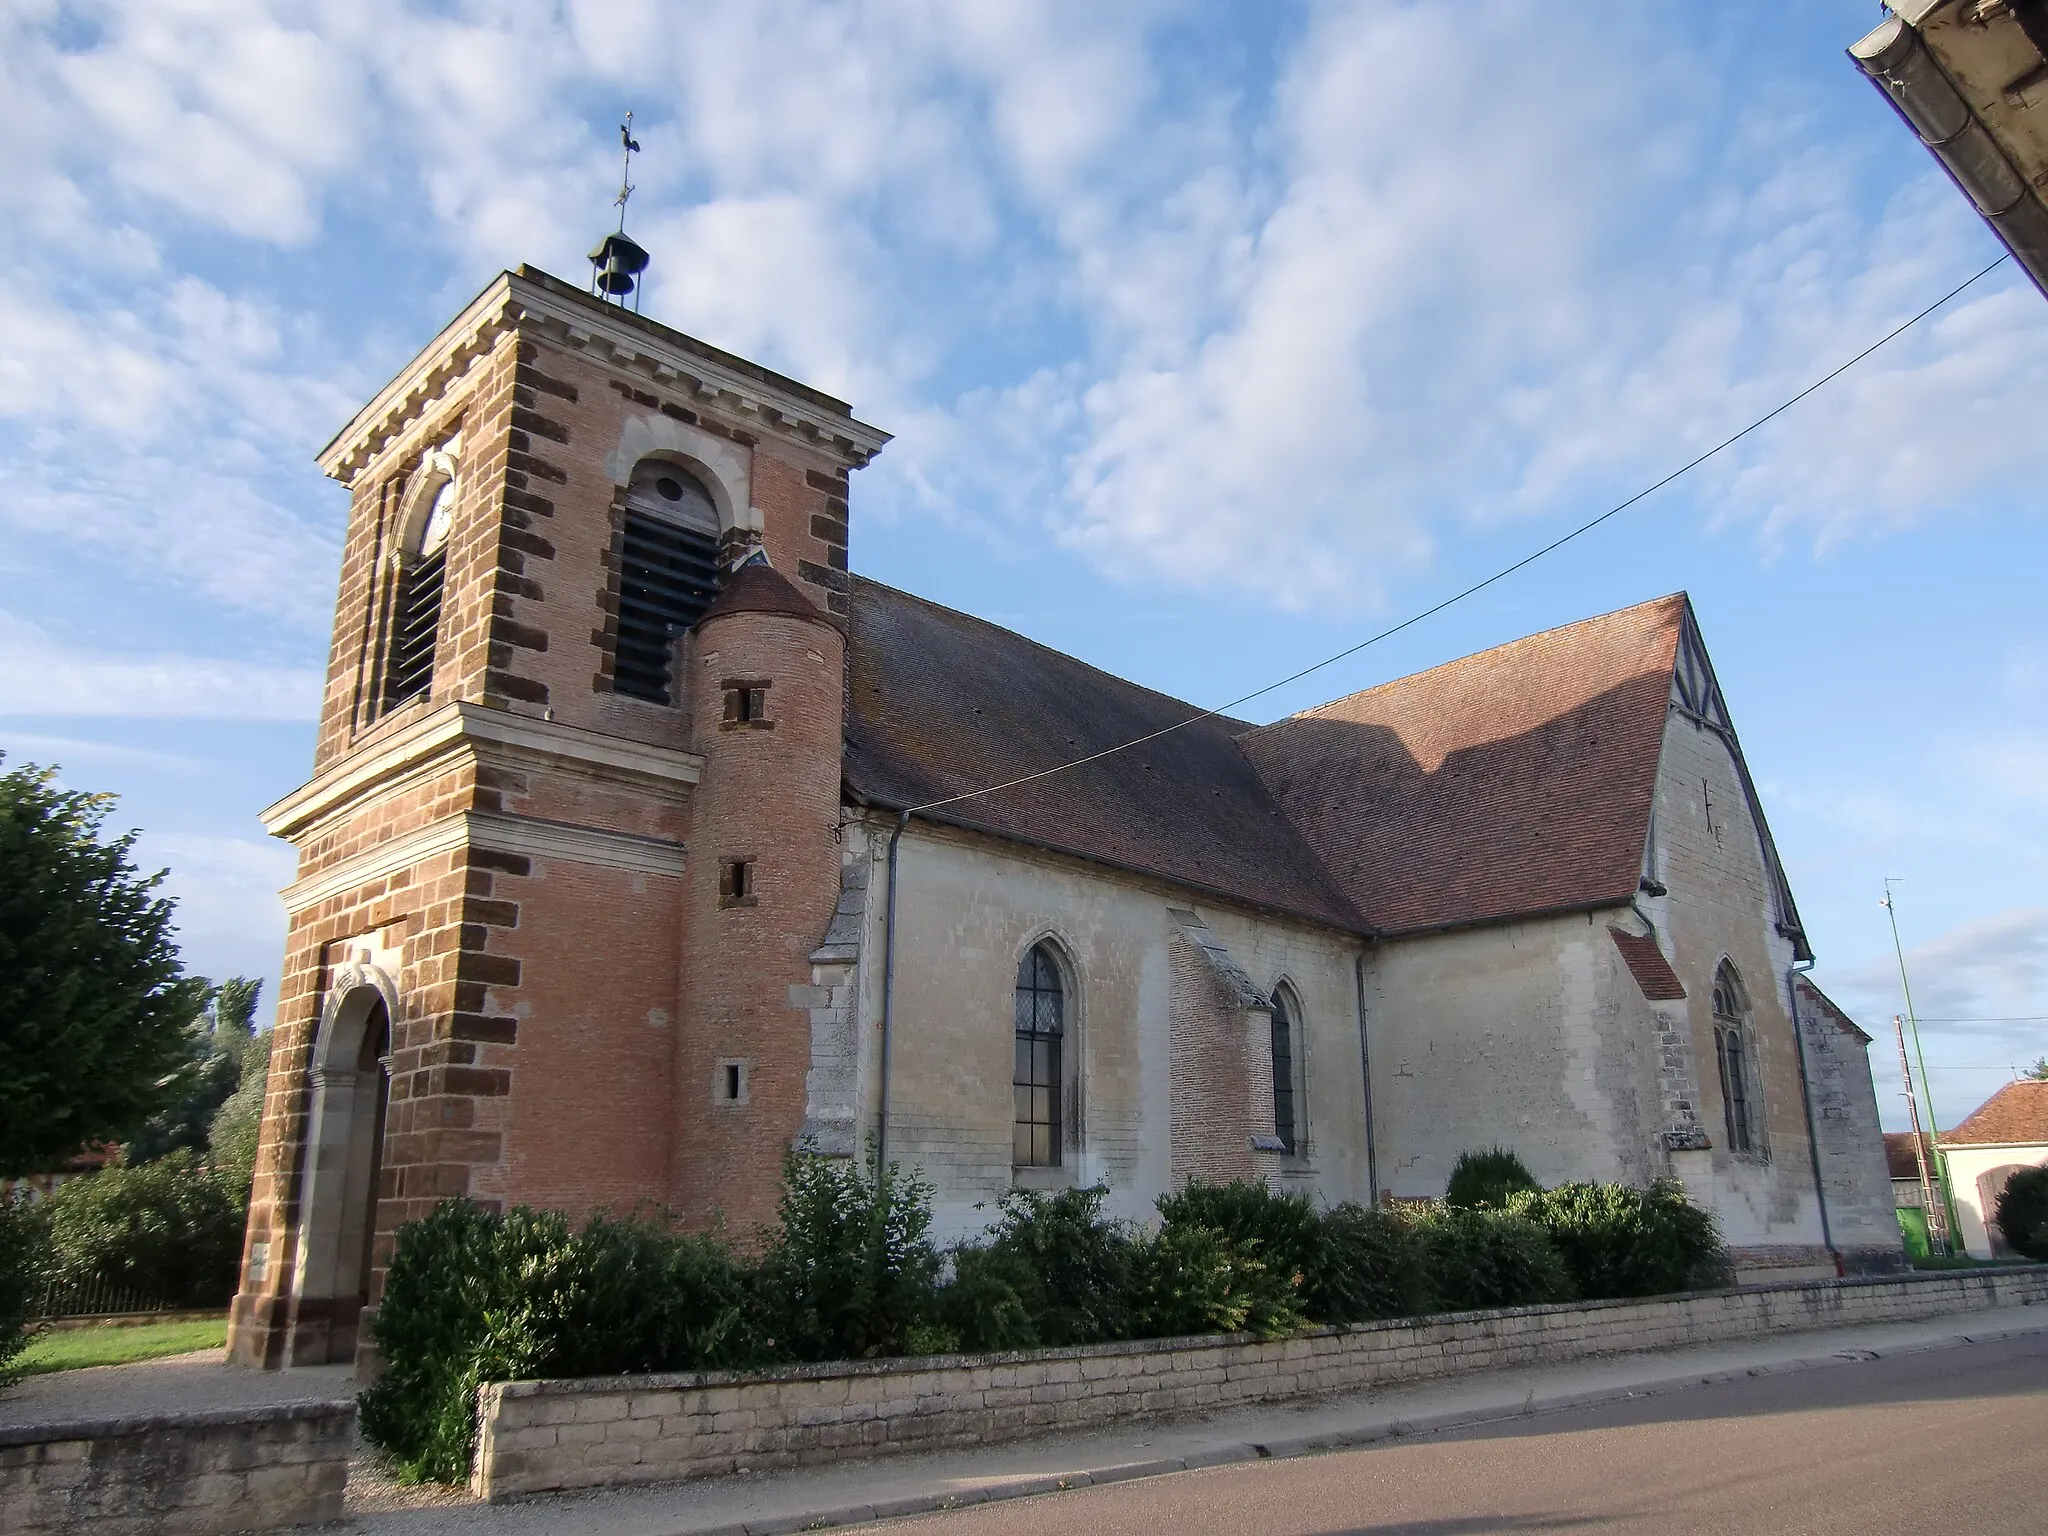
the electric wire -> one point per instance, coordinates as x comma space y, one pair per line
1478, 586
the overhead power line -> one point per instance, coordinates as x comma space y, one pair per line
1478, 586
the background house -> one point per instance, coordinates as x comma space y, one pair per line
2008, 1132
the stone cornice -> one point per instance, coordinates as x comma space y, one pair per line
421, 382
569, 317
456, 725
525, 835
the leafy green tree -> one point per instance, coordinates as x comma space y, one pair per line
231, 1140
93, 1004
219, 1042
2038, 1072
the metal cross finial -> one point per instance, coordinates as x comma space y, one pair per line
632, 148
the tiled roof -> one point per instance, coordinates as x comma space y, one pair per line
1514, 781
1647, 964
1898, 1154
760, 588
2015, 1115
941, 703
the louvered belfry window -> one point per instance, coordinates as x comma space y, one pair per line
668, 574
417, 615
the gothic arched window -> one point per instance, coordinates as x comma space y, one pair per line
668, 573
1735, 1054
1286, 1049
1038, 1079
422, 574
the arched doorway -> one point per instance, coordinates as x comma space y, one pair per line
344, 1164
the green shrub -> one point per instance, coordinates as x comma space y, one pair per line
851, 1271
1487, 1178
1620, 1241
22, 1235
1371, 1267
167, 1229
1188, 1279
2022, 1212
1078, 1262
983, 1306
1285, 1231
1477, 1258
473, 1296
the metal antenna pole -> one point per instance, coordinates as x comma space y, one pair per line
1948, 1202
1936, 1223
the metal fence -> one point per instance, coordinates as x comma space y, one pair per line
97, 1297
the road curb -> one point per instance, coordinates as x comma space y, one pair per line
1533, 1406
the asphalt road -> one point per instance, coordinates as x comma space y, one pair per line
1953, 1439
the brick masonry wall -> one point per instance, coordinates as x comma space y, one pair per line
1218, 1080
769, 796
177, 1474
539, 1436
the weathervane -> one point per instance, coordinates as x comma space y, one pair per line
616, 264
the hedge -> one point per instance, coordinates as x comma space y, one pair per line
474, 1295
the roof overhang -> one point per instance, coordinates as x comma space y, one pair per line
1970, 77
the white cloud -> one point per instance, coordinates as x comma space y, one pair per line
40, 677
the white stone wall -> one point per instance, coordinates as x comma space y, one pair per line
191, 1474
968, 909
1861, 1210
1531, 1036
538, 1436
1707, 851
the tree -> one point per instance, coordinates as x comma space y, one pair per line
2037, 1073
93, 1004
218, 1042
237, 1123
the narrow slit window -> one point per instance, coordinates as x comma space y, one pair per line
746, 706
1036, 1081
417, 616
736, 883
668, 574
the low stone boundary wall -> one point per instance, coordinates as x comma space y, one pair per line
179, 1474
537, 1436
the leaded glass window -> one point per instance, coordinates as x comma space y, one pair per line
1283, 1071
1736, 1060
1036, 1080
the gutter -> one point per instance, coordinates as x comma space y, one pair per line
1897, 60
1372, 1157
888, 1001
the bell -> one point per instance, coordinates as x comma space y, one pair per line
618, 261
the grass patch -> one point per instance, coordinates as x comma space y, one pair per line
109, 1345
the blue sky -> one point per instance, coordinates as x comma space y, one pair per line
1214, 336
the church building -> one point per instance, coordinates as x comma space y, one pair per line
647, 841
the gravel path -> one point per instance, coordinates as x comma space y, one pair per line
172, 1384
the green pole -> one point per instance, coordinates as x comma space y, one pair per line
1948, 1194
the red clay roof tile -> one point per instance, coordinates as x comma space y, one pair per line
1514, 781
2015, 1115
1647, 964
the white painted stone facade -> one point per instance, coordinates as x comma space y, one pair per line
1531, 1034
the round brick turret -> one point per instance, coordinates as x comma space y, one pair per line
763, 672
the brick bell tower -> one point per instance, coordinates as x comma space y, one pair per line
572, 827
